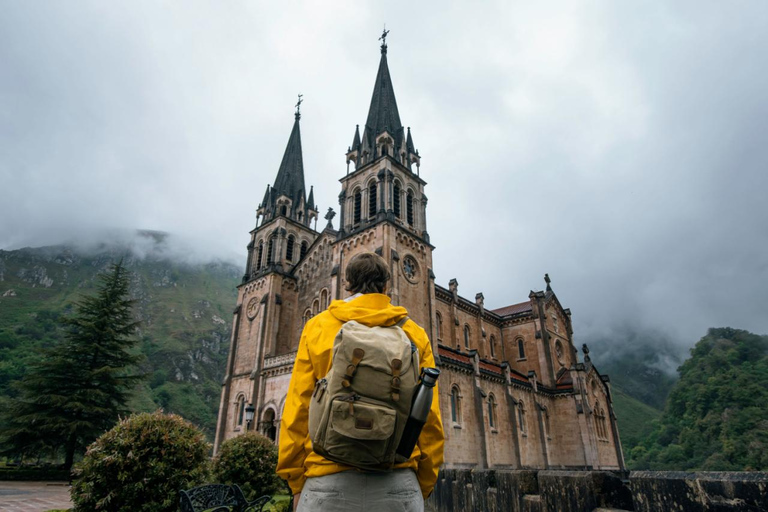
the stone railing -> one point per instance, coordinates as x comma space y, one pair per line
277, 361
579, 491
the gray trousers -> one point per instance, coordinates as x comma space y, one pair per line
397, 491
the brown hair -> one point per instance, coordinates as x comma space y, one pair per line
367, 273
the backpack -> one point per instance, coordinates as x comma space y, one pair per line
357, 413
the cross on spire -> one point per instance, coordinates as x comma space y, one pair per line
298, 107
383, 39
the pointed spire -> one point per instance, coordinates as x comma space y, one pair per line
409, 143
383, 114
311, 200
356, 140
290, 176
265, 201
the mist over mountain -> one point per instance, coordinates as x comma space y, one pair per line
643, 363
183, 302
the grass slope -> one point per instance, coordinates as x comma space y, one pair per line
634, 418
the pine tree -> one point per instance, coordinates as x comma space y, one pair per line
78, 387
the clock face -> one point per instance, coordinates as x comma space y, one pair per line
253, 308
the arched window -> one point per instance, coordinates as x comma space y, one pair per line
372, 200
439, 326
466, 336
289, 248
268, 424
270, 250
315, 307
409, 207
491, 411
299, 216
303, 249
521, 416
358, 206
261, 255
521, 348
396, 200
307, 315
283, 210
324, 299
456, 405
240, 408
493, 347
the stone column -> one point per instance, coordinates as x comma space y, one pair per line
342, 212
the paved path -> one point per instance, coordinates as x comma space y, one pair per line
34, 496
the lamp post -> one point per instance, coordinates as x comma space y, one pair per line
250, 410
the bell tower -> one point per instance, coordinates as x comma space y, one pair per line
383, 204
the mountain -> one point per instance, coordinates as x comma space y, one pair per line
184, 308
715, 418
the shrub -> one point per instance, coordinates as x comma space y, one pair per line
141, 464
249, 460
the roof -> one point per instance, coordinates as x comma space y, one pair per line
453, 355
383, 114
290, 176
521, 307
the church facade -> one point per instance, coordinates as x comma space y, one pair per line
513, 392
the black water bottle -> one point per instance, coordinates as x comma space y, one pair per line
422, 403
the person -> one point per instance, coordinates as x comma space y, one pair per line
319, 484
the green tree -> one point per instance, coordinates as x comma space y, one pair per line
715, 418
78, 387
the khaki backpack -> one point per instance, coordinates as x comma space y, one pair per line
357, 413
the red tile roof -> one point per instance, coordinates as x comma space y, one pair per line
522, 307
450, 354
493, 368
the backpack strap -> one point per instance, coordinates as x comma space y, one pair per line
397, 366
357, 356
402, 322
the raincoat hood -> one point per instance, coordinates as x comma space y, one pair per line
370, 309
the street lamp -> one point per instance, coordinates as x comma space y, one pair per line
249, 412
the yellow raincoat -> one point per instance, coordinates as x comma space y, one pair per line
297, 461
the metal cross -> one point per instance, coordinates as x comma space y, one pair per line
298, 104
383, 37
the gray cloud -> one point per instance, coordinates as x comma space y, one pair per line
618, 147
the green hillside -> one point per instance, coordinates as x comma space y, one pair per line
184, 309
635, 419
716, 417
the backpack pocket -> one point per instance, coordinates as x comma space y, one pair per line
359, 431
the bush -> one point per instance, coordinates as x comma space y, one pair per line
249, 460
141, 465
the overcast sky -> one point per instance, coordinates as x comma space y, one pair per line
622, 148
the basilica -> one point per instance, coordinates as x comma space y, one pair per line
514, 392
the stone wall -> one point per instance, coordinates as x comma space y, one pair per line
585, 491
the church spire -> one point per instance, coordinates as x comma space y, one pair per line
290, 176
288, 196
382, 114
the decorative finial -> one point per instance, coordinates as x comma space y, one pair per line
548, 280
298, 107
383, 39
329, 217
